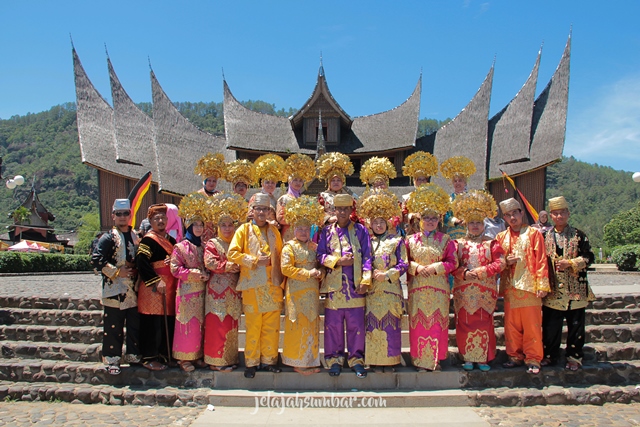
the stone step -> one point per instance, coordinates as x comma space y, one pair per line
614, 301
200, 397
51, 317
93, 335
39, 333
51, 351
56, 317
405, 378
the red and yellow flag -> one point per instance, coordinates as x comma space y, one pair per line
137, 194
532, 211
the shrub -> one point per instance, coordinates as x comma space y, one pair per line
627, 257
17, 262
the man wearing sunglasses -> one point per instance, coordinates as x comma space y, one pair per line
114, 257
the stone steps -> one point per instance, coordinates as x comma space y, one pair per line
64, 334
72, 317
51, 351
620, 373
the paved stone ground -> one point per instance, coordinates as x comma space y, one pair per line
66, 414
89, 285
607, 415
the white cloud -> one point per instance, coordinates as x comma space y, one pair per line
607, 131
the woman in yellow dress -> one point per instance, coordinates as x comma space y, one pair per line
298, 264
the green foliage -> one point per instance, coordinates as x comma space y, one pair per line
627, 257
87, 232
624, 228
595, 194
17, 262
21, 215
429, 126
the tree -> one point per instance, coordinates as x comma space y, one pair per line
624, 228
87, 232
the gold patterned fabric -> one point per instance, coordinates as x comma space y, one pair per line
530, 273
569, 288
222, 299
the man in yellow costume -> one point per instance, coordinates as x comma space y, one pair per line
256, 248
523, 284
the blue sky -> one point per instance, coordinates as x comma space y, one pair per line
373, 54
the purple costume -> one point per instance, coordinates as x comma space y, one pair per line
343, 304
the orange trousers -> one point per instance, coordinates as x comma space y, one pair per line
523, 333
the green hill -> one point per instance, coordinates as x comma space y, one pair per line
45, 146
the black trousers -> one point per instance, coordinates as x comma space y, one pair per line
114, 321
552, 320
153, 336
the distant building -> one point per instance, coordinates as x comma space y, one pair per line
123, 143
36, 225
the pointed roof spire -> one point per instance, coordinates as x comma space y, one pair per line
320, 145
321, 69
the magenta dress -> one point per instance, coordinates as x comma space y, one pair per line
428, 302
186, 265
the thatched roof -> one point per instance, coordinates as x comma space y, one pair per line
391, 130
466, 135
180, 145
96, 132
510, 129
549, 123
133, 129
321, 90
251, 130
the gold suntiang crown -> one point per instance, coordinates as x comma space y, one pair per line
211, 165
226, 205
330, 164
304, 210
376, 168
458, 165
474, 205
378, 203
419, 164
241, 171
429, 198
301, 166
193, 207
271, 167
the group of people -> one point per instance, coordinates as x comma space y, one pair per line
182, 300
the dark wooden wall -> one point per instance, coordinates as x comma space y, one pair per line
531, 184
113, 187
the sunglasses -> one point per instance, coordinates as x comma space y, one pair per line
122, 213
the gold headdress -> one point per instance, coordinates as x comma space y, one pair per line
474, 205
271, 167
227, 205
241, 171
301, 166
420, 163
379, 203
304, 210
193, 207
557, 203
458, 165
429, 198
330, 164
377, 168
211, 165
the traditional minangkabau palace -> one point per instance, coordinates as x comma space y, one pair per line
123, 143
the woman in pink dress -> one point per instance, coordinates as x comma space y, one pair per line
431, 258
187, 265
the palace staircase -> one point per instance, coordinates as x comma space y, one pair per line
50, 351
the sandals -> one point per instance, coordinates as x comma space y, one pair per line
359, 370
335, 370
250, 372
228, 368
271, 368
154, 366
186, 366
467, 366
533, 369
113, 369
200, 364
512, 364
572, 366
547, 362
484, 367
